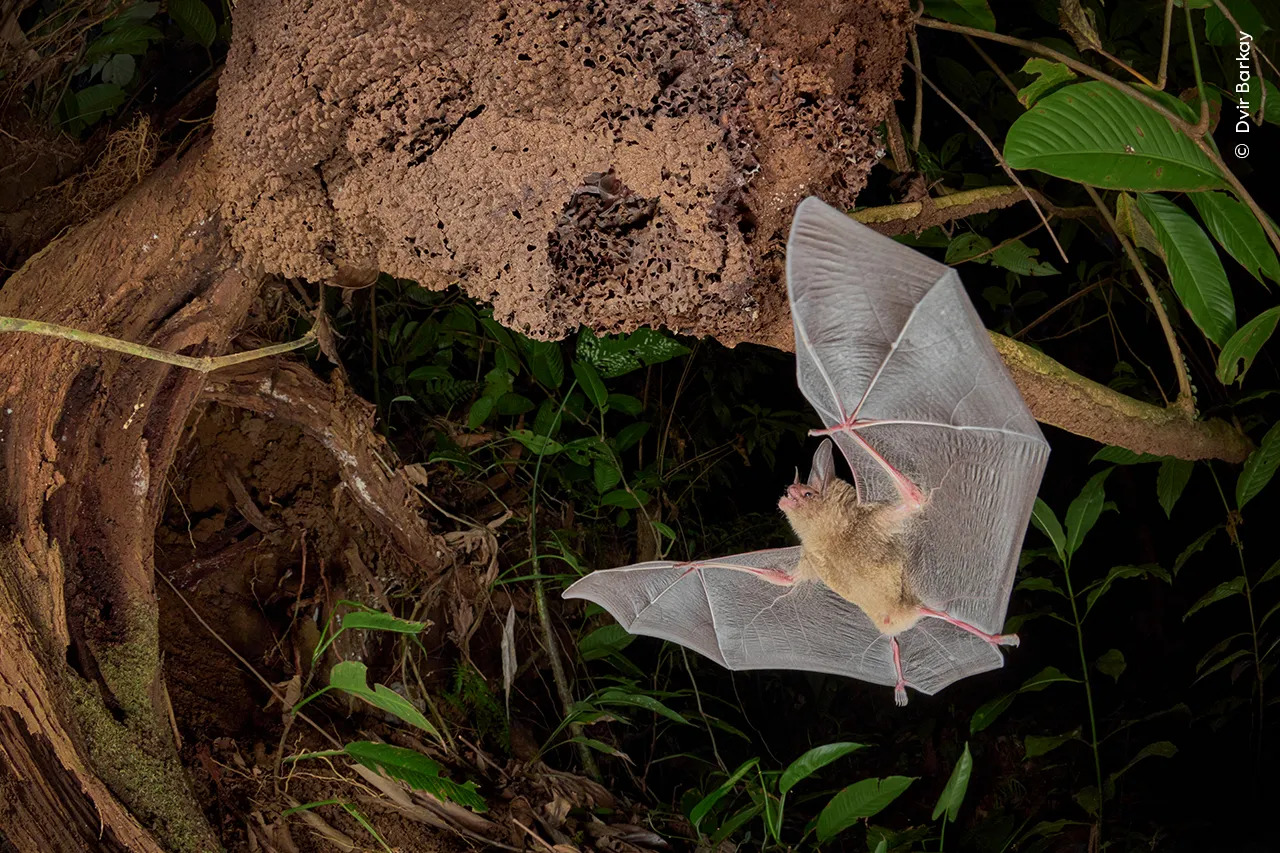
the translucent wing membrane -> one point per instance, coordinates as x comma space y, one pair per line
721, 610
888, 342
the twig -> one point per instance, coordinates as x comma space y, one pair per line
917, 119
200, 364
1185, 401
1021, 333
1000, 159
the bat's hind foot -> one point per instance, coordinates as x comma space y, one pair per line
899, 689
900, 694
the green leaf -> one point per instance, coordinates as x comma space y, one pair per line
1135, 226
350, 677
480, 411
1111, 663
634, 499
606, 475
614, 355
966, 246
1219, 31
967, 13
93, 102
989, 713
1017, 257
626, 404
1119, 573
195, 20
953, 794
1088, 799
1046, 677
1040, 585
1238, 352
546, 362
1194, 548
1046, 522
604, 641
1259, 468
602, 747
1049, 75
1159, 749
1226, 589
132, 38
1034, 746
1237, 230
1223, 662
1083, 512
859, 801
376, 620
1194, 267
1170, 482
119, 69
629, 435
618, 696
1092, 134
539, 444
813, 761
415, 770
135, 14
707, 803
591, 383
1123, 456
1271, 573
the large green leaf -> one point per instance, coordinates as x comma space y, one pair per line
1259, 468
707, 803
1095, 135
966, 13
1237, 230
1239, 351
857, 802
1194, 267
813, 761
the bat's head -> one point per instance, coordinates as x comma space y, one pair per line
821, 496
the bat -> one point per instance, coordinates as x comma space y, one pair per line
903, 577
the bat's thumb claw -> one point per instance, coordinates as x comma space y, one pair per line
1007, 640
900, 694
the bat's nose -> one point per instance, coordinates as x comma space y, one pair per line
799, 491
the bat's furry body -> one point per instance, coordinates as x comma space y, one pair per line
857, 549
903, 577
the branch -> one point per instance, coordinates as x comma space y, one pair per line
1065, 399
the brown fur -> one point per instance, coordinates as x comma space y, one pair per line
856, 549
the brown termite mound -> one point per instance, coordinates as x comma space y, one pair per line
612, 164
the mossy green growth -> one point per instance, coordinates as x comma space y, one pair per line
134, 753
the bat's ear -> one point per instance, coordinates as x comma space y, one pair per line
824, 466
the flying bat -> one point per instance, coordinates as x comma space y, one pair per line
903, 577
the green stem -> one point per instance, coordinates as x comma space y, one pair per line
1253, 624
200, 364
1195, 67
1088, 688
544, 612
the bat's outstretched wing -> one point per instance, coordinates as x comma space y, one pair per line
891, 353
721, 609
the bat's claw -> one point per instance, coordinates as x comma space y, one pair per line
900, 694
1005, 640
